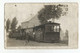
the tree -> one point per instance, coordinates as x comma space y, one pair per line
19, 27
14, 23
7, 25
48, 12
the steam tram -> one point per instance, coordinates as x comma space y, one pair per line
49, 32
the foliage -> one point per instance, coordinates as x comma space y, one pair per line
14, 23
19, 27
48, 12
7, 25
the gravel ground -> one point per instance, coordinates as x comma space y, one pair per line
11, 42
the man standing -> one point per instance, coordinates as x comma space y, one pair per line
28, 37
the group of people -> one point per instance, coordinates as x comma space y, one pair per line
26, 36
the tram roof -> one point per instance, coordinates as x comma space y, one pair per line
42, 25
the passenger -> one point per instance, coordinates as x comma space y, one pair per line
34, 35
25, 34
27, 37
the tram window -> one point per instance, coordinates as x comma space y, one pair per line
57, 28
52, 28
48, 28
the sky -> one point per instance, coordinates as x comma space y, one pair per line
22, 12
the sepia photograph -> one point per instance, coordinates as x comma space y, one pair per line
41, 25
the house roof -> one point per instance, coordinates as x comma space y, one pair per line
30, 19
31, 23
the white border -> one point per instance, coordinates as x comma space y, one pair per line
3, 50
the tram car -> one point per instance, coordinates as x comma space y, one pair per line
49, 32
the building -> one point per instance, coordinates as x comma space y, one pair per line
28, 25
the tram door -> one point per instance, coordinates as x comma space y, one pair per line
38, 34
52, 33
